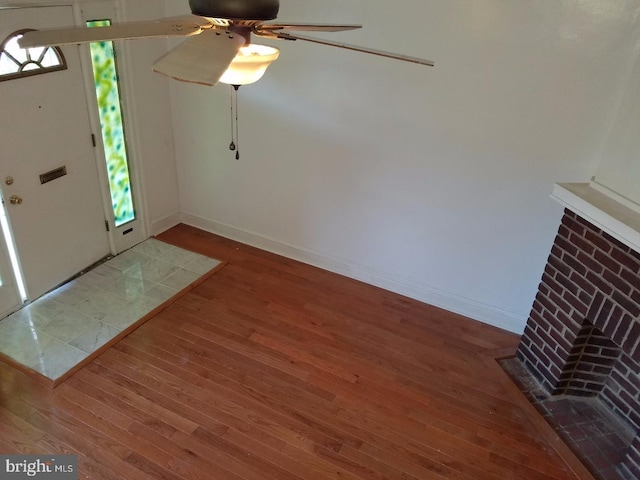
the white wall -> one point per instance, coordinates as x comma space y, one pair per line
619, 169
430, 182
151, 123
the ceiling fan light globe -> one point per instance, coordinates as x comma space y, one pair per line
249, 64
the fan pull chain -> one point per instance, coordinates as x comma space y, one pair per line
232, 146
235, 139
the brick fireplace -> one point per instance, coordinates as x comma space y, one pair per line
583, 333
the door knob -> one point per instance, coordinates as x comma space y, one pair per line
15, 200
8, 180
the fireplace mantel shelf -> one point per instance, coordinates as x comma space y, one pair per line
618, 220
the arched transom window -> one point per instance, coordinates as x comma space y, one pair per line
16, 62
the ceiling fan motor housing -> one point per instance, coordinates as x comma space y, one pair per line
236, 9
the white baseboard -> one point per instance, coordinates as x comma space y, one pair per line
453, 303
165, 223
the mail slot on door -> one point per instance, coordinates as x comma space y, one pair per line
53, 174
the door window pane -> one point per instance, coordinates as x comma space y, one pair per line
16, 62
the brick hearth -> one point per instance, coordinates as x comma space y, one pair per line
583, 333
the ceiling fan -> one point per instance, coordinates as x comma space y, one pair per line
218, 45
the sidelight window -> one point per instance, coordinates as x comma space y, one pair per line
105, 73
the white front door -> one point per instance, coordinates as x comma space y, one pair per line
57, 218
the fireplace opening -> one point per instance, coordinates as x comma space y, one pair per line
590, 363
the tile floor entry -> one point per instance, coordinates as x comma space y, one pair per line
59, 330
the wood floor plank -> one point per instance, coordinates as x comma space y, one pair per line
275, 370
309, 446
225, 359
223, 394
40, 409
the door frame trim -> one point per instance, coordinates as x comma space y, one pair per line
115, 8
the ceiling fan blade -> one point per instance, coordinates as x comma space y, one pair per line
304, 27
204, 22
202, 59
356, 48
70, 36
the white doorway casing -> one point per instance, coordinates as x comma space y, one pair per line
10, 295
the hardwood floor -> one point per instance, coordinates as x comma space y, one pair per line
272, 369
